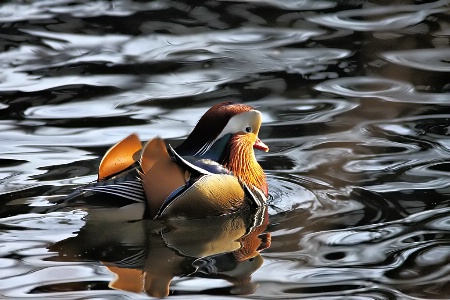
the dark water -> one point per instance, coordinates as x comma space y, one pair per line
355, 97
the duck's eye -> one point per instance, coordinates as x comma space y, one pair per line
248, 129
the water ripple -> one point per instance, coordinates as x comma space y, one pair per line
306, 111
17, 81
386, 89
292, 4
161, 46
407, 252
14, 12
380, 18
287, 194
227, 50
436, 60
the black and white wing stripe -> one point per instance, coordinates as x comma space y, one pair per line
127, 189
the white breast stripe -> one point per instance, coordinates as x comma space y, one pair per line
256, 196
258, 218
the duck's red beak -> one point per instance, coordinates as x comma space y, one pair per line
259, 145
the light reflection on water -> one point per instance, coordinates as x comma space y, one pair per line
355, 100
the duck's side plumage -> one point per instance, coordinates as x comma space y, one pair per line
209, 195
176, 187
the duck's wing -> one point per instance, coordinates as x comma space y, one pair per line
116, 175
125, 186
120, 157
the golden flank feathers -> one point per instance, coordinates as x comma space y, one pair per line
211, 195
119, 157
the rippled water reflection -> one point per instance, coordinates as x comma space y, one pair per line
355, 100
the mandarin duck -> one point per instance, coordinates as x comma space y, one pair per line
213, 172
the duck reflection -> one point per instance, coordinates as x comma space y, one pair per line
146, 255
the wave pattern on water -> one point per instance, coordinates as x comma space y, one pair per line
355, 101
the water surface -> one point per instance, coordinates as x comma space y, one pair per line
355, 97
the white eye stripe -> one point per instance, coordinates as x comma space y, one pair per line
249, 121
241, 122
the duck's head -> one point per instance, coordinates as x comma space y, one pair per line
228, 134
215, 128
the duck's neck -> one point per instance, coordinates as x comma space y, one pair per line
242, 162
